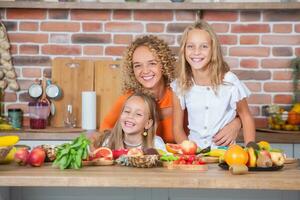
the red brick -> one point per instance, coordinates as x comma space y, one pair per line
60, 38
281, 15
10, 97
261, 122
227, 39
282, 75
60, 26
254, 110
249, 63
249, 51
31, 73
253, 86
91, 38
36, 60
220, 27
24, 97
224, 50
122, 14
214, 15
169, 39
47, 72
250, 28
281, 39
61, 49
28, 26
278, 87
115, 50
247, 16
260, 99
123, 39
283, 99
253, 75
102, 15
10, 26
176, 27
184, 15
121, 26
29, 49
25, 84
153, 15
58, 14
275, 63
28, 37
282, 28
13, 49
282, 51
297, 51
26, 13
249, 39
155, 27
93, 50
232, 62
92, 27
297, 28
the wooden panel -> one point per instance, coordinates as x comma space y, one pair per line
108, 85
73, 76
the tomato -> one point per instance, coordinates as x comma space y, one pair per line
293, 118
236, 155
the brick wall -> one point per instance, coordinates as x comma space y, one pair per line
258, 45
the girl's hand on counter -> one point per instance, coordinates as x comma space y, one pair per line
228, 134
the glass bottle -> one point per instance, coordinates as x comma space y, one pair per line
69, 119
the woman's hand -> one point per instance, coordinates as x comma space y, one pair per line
227, 135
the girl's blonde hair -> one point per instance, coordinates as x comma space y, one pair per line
160, 50
116, 137
217, 66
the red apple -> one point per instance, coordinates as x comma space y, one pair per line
119, 152
37, 157
188, 147
266, 153
21, 156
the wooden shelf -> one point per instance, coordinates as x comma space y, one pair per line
150, 6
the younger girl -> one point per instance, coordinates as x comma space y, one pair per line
135, 127
208, 90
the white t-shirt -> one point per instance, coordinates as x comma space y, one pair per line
209, 112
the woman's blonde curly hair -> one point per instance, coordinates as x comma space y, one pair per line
160, 50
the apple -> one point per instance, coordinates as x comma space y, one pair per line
21, 156
188, 147
119, 152
265, 152
37, 157
277, 158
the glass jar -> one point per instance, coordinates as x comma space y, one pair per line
15, 117
38, 114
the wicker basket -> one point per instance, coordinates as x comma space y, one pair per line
4, 151
144, 161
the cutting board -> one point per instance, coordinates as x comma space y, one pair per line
73, 76
108, 85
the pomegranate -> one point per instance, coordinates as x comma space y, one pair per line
21, 156
37, 157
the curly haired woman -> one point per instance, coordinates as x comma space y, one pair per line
148, 67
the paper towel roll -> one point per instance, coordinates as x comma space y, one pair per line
88, 116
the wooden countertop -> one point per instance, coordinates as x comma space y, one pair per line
288, 137
152, 6
118, 176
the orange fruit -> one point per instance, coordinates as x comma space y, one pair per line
236, 155
103, 152
173, 148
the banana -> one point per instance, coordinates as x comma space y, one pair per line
216, 152
8, 140
6, 127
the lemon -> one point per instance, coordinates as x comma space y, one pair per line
10, 156
264, 145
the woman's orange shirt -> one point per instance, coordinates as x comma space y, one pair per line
164, 129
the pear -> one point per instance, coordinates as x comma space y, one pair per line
277, 158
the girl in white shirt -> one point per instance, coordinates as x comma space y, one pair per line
212, 95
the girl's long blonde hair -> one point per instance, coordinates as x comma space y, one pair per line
217, 66
116, 137
160, 50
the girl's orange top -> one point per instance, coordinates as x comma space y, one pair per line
164, 129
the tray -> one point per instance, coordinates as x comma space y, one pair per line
273, 168
98, 162
277, 131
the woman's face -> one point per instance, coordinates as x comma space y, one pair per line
147, 68
198, 49
135, 116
